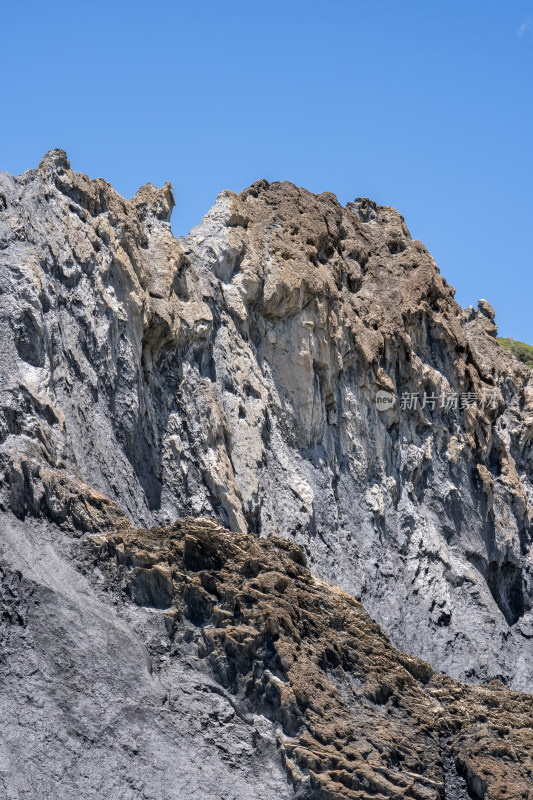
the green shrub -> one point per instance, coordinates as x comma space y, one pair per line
523, 352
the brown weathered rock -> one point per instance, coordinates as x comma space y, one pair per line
235, 373
354, 718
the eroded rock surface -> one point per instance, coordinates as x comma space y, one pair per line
93, 706
192, 662
234, 373
352, 717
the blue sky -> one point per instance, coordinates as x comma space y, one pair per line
426, 106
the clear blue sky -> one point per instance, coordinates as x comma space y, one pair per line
426, 106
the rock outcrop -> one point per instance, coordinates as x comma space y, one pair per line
353, 717
235, 373
191, 662
91, 704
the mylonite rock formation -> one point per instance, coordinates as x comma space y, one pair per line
234, 373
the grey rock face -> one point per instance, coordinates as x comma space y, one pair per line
235, 372
91, 705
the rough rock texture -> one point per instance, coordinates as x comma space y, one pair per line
234, 373
191, 662
353, 717
92, 706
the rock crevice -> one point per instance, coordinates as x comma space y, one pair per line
234, 373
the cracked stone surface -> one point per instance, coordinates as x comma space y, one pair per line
233, 373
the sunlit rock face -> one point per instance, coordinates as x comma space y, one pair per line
238, 372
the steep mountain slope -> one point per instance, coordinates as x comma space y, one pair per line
190, 662
354, 717
235, 373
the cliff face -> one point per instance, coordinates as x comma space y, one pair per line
235, 373
191, 662
286, 370
353, 718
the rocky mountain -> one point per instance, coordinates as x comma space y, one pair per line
300, 373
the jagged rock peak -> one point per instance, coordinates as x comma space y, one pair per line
54, 162
55, 166
236, 372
